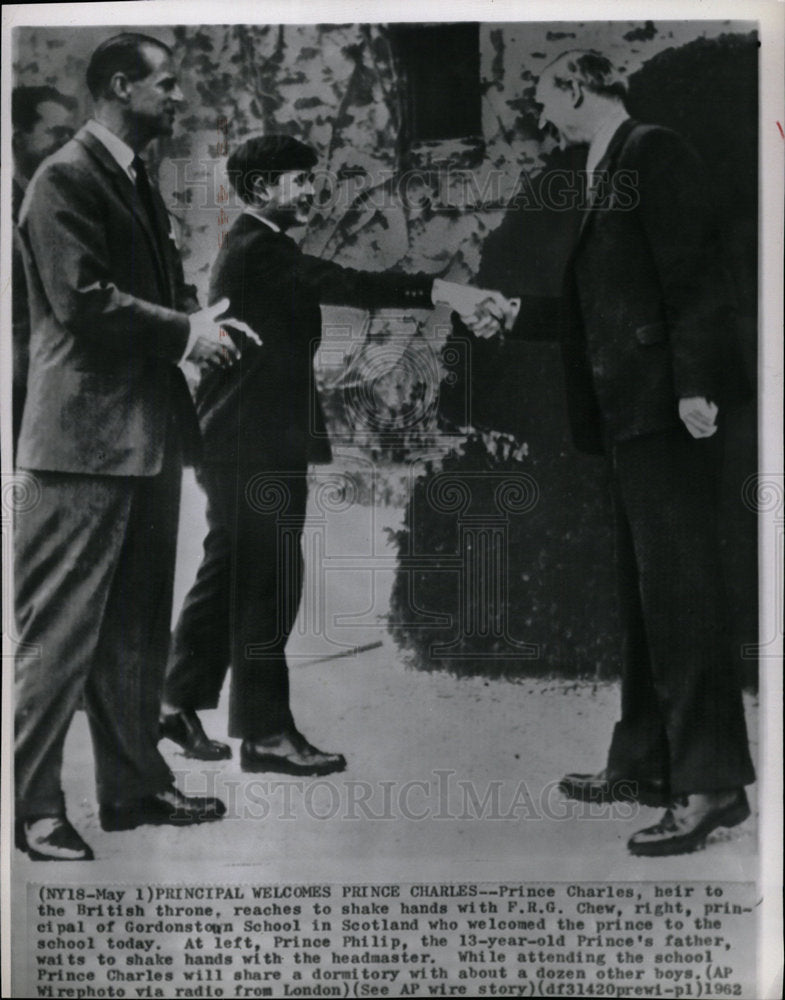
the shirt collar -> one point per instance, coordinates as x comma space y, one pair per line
250, 210
120, 151
602, 137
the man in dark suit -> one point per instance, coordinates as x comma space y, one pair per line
107, 419
42, 120
648, 357
260, 423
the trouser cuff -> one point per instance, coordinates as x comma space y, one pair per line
35, 808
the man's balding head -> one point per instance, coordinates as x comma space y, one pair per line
592, 70
576, 90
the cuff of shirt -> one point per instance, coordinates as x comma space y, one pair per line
511, 316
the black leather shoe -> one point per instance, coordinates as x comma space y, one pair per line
184, 728
168, 806
601, 788
297, 756
51, 838
686, 825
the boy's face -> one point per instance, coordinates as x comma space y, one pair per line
291, 198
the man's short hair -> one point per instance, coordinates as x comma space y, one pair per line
592, 69
25, 102
122, 53
267, 156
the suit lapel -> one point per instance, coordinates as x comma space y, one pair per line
606, 166
126, 191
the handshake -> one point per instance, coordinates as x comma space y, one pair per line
485, 312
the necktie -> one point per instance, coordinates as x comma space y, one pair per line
145, 192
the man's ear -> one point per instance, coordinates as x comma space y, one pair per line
260, 191
119, 86
577, 93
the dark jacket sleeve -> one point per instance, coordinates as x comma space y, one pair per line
61, 221
185, 295
539, 318
676, 221
336, 285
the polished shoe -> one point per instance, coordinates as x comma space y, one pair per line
289, 753
184, 728
168, 806
601, 788
687, 823
51, 838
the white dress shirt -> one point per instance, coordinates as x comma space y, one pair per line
257, 214
602, 139
120, 151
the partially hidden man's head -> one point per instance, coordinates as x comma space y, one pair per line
576, 90
43, 120
274, 174
134, 74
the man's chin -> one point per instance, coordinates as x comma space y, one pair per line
302, 213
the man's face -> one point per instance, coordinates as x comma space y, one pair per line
558, 109
153, 100
54, 127
291, 197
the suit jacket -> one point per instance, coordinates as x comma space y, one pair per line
645, 317
107, 316
264, 408
20, 318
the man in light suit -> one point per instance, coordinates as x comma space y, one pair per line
649, 362
107, 421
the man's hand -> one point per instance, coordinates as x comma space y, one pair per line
211, 345
483, 311
486, 320
699, 416
493, 315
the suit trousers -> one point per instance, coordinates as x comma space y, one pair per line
682, 712
244, 601
94, 568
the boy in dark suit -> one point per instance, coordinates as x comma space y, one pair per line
259, 433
